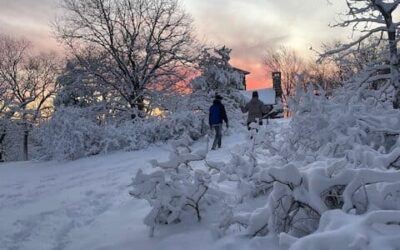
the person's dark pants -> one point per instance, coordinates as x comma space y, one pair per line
218, 135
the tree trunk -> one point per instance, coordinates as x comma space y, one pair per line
26, 136
394, 59
396, 102
137, 103
394, 68
2, 136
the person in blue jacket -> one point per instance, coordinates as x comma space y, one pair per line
217, 116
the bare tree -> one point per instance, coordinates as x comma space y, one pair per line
369, 56
27, 84
143, 44
325, 74
290, 65
374, 18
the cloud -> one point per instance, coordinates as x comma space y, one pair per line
241, 25
36, 10
29, 19
252, 27
249, 27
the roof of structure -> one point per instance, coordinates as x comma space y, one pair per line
241, 70
267, 95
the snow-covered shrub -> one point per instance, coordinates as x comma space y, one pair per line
297, 198
173, 196
246, 172
175, 191
239, 168
287, 208
181, 155
339, 230
71, 135
248, 163
353, 123
140, 133
338, 153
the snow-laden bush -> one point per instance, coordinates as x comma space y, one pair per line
341, 152
297, 198
339, 230
173, 197
71, 135
353, 123
142, 132
175, 191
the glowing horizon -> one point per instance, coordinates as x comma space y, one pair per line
258, 77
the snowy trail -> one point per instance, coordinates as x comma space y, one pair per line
43, 204
83, 204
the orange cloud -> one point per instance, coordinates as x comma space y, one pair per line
258, 77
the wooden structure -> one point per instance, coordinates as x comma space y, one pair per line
276, 83
243, 74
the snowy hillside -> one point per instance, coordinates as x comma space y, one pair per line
107, 145
82, 204
85, 204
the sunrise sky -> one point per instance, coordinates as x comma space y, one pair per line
249, 27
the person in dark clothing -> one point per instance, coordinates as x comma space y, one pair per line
216, 117
256, 109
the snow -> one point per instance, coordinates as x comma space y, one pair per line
81, 204
329, 179
339, 230
85, 204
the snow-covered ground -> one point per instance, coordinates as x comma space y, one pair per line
85, 204
82, 204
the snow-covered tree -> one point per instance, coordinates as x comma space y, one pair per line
142, 45
217, 76
347, 63
216, 72
28, 84
375, 18
326, 74
78, 88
